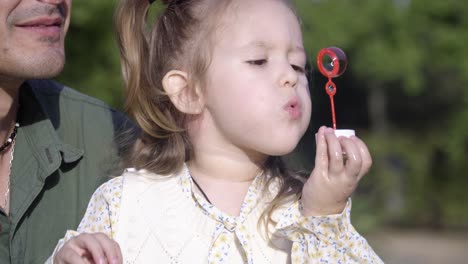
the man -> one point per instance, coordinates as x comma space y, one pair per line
56, 145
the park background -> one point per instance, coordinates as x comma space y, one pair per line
405, 92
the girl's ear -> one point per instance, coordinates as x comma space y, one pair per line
186, 99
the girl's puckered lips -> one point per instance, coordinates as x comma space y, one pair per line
293, 107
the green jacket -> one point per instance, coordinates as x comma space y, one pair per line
65, 148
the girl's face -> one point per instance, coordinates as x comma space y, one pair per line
257, 98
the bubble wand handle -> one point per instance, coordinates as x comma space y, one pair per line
330, 87
332, 62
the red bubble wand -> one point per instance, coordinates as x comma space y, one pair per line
332, 63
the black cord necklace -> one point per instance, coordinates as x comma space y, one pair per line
10, 139
201, 190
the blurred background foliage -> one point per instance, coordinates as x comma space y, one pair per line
404, 92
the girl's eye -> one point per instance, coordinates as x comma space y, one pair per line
298, 68
257, 62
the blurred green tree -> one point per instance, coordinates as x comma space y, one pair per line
92, 54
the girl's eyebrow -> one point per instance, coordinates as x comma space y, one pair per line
257, 44
264, 45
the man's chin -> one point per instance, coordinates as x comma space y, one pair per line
51, 73
45, 70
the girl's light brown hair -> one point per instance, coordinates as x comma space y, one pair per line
179, 39
147, 54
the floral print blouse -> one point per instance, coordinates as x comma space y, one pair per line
140, 206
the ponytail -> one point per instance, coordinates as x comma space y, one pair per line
130, 24
161, 146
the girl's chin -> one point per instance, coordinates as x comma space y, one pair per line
283, 150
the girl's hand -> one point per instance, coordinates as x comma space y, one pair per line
333, 179
87, 248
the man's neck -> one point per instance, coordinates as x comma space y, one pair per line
9, 91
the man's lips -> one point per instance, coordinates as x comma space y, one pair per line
50, 27
42, 22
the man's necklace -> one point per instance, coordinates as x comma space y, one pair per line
9, 142
10, 139
7, 192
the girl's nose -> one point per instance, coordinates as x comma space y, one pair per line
289, 76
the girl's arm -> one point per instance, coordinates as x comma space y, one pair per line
324, 239
319, 225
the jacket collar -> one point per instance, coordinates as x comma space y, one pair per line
40, 131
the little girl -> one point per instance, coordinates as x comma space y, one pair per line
220, 90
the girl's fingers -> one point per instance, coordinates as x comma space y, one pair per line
365, 156
111, 248
353, 163
68, 255
86, 248
93, 246
335, 153
119, 254
321, 155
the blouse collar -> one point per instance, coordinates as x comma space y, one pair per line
230, 222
